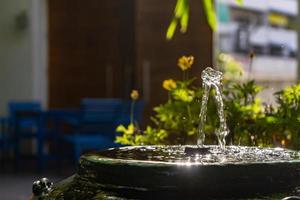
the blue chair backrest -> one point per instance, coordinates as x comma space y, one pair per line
24, 121
99, 115
23, 106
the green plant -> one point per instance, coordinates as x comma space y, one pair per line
244, 113
176, 121
231, 68
130, 132
285, 119
181, 16
250, 121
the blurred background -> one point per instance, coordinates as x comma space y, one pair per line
54, 54
269, 29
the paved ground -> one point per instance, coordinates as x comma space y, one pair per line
17, 186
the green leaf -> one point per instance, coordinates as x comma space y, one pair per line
240, 2
184, 95
271, 120
130, 129
210, 14
124, 130
179, 8
185, 17
121, 128
171, 29
181, 14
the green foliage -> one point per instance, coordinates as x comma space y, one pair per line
176, 121
286, 119
232, 69
250, 121
244, 114
181, 16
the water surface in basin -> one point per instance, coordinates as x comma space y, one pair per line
205, 155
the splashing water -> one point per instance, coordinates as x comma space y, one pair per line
212, 79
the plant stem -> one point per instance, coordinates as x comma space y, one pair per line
132, 111
189, 112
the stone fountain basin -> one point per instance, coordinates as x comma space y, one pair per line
133, 172
181, 172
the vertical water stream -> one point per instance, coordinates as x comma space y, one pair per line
212, 79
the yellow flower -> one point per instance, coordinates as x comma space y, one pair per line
185, 62
169, 84
134, 95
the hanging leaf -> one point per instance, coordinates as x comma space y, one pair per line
181, 15
171, 29
210, 14
179, 8
184, 20
240, 2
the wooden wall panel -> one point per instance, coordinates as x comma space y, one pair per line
88, 45
96, 45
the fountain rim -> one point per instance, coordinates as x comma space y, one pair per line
135, 162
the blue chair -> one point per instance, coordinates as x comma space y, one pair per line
56, 123
97, 122
6, 139
26, 121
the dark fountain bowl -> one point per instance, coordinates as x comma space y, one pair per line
177, 172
